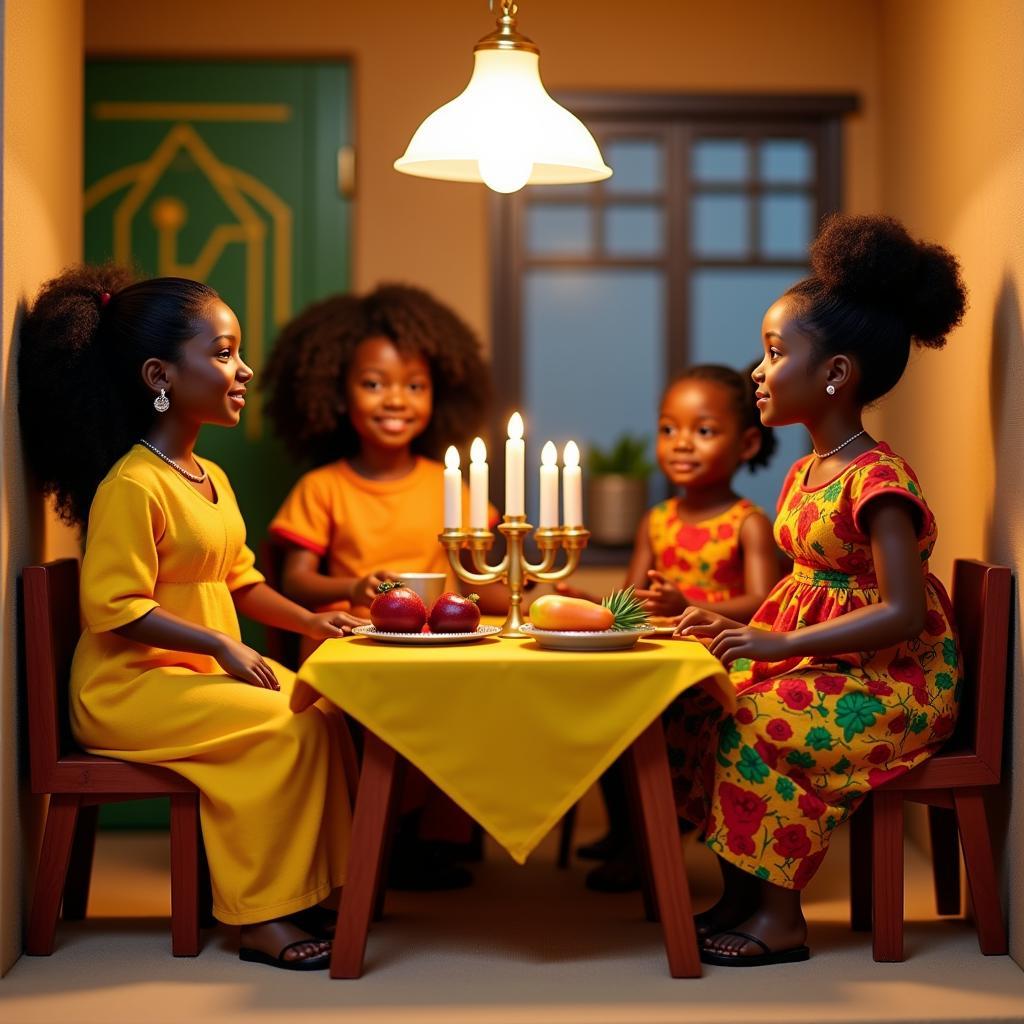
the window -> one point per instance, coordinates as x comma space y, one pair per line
604, 292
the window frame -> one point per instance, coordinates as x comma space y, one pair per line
677, 119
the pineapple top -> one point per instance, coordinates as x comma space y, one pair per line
628, 610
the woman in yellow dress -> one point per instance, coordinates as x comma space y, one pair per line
116, 379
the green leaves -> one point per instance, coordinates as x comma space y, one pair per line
801, 759
751, 765
856, 712
944, 681
819, 738
627, 457
949, 653
785, 788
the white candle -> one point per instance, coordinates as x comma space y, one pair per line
478, 485
572, 485
452, 490
515, 467
549, 486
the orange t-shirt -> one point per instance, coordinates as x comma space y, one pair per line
360, 525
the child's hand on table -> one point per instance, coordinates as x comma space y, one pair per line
327, 625
661, 597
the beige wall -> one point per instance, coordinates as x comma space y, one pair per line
42, 216
410, 57
953, 170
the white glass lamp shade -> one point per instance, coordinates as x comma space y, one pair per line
504, 130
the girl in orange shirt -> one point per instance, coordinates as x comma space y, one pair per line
373, 389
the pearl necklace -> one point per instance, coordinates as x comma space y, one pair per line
825, 455
195, 478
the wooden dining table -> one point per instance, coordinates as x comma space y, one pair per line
515, 735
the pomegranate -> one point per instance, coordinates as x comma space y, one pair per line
453, 613
397, 609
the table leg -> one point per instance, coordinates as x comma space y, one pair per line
661, 832
636, 825
369, 829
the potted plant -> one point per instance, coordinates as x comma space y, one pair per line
617, 489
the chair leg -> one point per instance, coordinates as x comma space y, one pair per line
945, 859
206, 918
887, 868
76, 886
185, 874
664, 849
54, 855
981, 872
565, 837
369, 829
860, 867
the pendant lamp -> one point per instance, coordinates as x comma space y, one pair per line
504, 129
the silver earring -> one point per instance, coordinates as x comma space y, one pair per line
830, 390
162, 403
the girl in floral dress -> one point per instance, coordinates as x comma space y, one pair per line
706, 547
848, 675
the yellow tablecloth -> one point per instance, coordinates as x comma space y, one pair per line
514, 734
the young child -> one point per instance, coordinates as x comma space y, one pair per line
704, 548
116, 378
848, 674
374, 389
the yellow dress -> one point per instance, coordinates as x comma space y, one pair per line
273, 804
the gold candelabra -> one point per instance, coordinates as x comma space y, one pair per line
515, 569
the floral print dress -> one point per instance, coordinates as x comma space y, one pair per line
703, 559
810, 737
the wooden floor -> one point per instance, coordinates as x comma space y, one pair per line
524, 944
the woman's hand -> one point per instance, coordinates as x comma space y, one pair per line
243, 663
746, 642
328, 625
700, 624
661, 597
364, 590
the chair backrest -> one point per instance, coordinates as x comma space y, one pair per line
52, 626
981, 610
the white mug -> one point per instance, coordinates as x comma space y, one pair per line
429, 585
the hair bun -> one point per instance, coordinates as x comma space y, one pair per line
873, 261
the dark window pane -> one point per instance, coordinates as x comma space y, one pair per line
559, 229
785, 225
720, 160
721, 226
633, 230
787, 162
637, 165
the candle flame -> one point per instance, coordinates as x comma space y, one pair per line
549, 454
451, 457
571, 455
478, 451
515, 427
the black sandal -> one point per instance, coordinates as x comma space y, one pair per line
783, 956
320, 962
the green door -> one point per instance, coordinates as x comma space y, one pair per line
229, 173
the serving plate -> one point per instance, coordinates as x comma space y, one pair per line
585, 640
414, 639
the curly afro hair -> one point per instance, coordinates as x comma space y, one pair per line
82, 402
873, 290
741, 389
306, 373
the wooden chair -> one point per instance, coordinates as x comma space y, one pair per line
77, 783
952, 783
